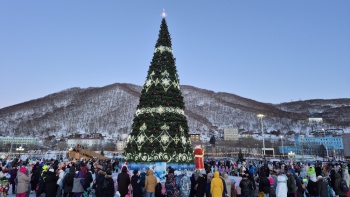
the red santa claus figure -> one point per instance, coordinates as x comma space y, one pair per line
199, 157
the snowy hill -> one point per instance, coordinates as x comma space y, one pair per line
110, 110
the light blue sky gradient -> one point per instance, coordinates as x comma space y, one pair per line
271, 51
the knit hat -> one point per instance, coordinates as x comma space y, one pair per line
23, 169
45, 167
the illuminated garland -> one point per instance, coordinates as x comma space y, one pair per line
165, 82
153, 156
162, 49
160, 110
163, 138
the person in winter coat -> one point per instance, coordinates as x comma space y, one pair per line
99, 183
312, 186
13, 175
322, 187
299, 189
42, 179
123, 182
87, 180
193, 184
78, 183
291, 183
142, 182
332, 178
216, 186
346, 176
228, 184
281, 189
251, 179
170, 185
22, 182
61, 174
67, 182
224, 193
201, 183
35, 176
336, 187
109, 190
264, 184
135, 183
51, 183
246, 186
207, 190
150, 184
185, 186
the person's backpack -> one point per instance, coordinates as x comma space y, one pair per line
272, 190
69, 179
169, 189
343, 186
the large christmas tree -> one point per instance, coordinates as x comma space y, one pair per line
160, 129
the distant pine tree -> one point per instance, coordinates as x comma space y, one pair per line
160, 128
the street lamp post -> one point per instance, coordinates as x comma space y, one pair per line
281, 136
20, 149
262, 131
325, 144
301, 137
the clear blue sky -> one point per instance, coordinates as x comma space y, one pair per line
271, 51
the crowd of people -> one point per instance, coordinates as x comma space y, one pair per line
93, 177
53, 178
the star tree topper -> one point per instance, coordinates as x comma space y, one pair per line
164, 14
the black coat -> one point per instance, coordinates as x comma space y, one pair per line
35, 177
246, 186
136, 187
87, 180
99, 183
312, 188
264, 185
109, 191
201, 184
68, 188
51, 184
123, 182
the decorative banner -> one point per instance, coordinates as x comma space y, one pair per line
160, 170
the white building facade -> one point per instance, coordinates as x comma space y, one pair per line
231, 134
121, 145
19, 140
83, 141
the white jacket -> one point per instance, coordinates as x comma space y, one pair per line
60, 178
282, 189
346, 176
